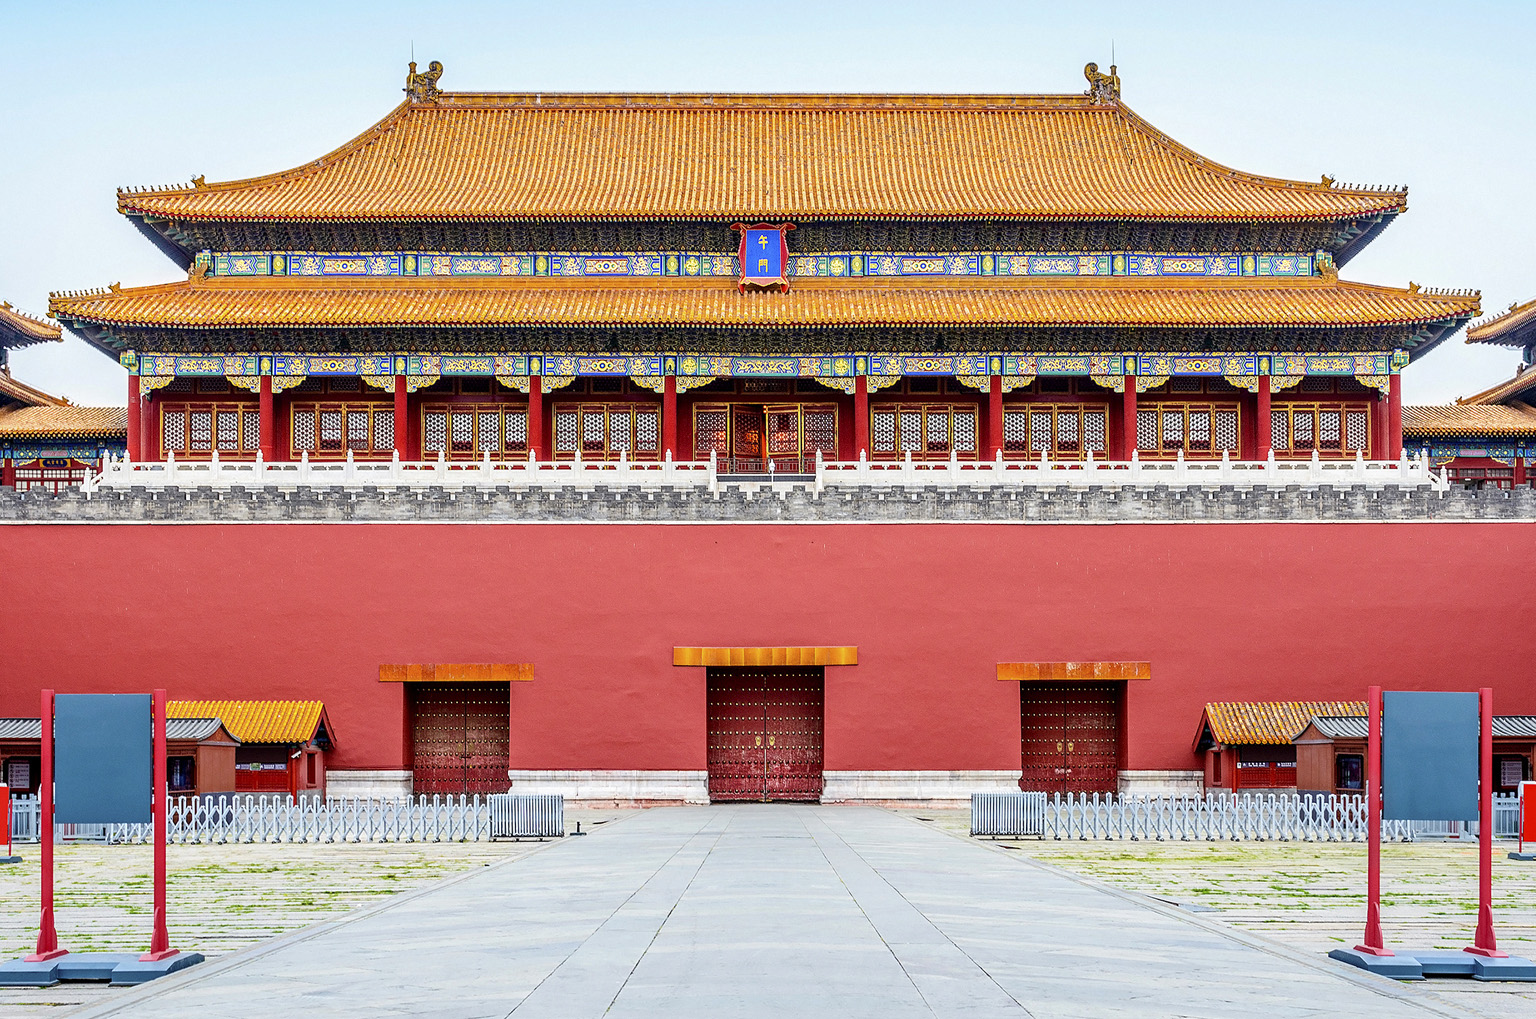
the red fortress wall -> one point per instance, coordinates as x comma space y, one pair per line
1222, 611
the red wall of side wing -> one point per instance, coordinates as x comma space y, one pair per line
1236, 611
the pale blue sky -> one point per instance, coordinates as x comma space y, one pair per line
1433, 95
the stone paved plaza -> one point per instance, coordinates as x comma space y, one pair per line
771, 910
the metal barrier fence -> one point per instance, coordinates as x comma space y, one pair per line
236, 818
1215, 817
525, 817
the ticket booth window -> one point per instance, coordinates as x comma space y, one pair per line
1349, 772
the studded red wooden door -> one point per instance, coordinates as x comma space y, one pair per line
1071, 737
460, 734
765, 729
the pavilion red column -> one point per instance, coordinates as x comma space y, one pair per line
267, 419
1264, 437
669, 417
1395, 418
135, 418
402, 419
995, 418
860, 416
1128, 418
536, 416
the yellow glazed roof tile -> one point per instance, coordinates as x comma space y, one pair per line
1272, 723
501, 156
223, 304
18, 329
59, 421
1508, 327
257, 721
1476, 419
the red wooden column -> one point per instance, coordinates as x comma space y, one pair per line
860, 416
536, 416
402, 419
1395, 418
267, 420
669, 417
135, 418
1265, 439
995, 418
1128, 418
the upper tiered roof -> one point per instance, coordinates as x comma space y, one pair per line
477, 157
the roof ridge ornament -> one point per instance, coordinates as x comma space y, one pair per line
1102, 88
422, 88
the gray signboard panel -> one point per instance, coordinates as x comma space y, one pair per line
1429, 756
103, 758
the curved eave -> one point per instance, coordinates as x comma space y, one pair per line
105, 319
18, 329
1513, 328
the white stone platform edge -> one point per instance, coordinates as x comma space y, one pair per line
1162, 783
916, 787
343, 784
615, 786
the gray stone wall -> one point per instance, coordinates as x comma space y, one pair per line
833, 505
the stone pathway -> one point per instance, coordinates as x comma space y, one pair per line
769, 910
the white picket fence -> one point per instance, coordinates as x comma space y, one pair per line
1215, 817
519, 475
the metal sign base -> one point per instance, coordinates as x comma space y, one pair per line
1417, 964
122, 969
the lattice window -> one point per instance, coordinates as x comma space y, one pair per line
965, 431
173, 431
783, 431
620, 430
1095, 426
250, 429
647, 431
200, 430
179, 386
1173, 429
882, 432
213, 386
1015, 431
344, 385
434, 432
1303, 430
592, 428
1329, 435
1225, 431
1039, 431
1357, 430
304, 431
1184, 385
1279, 429
911, 431
461, 431
709, 432
1200, 430
565, 431
228, 422
821, 431
384, 430
488, 431
1146, 429
515, 431
1068, 432
331, 422
309, 385
357, 430
936, 431
1316, 384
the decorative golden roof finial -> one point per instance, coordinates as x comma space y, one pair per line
422, 88
198, 181
1102, 88
1327, 268
1327, 181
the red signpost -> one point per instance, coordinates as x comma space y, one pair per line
47, 937
1373, 944
1483, 943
